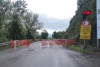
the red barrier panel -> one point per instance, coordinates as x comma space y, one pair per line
59, 42
71, 41
20, 42
11, 43
51, 42
43, 42
27, 42
65, 41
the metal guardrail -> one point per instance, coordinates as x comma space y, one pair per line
5, 44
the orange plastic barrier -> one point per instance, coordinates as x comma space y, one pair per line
43, 42
51, 42
65, 42
23, 42
71, 41
59, 42
11, 43
20, 42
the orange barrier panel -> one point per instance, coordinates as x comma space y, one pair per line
51, 42
20, 42
43, 42
64, 41
59, 42
23, 42
11, 43
71, 41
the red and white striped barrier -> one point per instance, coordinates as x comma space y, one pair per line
19, 42
58, 42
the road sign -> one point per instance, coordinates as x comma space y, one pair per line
85, 31
85, 23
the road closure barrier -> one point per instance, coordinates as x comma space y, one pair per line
58, 42
11, 43
20, 43
44, 42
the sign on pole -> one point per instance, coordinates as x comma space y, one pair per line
98, 19
85, 31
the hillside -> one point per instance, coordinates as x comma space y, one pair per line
73, 31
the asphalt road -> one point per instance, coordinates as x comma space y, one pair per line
38, 56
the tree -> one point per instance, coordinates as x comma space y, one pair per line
16, 28
17, 22
31, 23
58, 35
55, 35
4, 7
29, 34
44, 34
4, 10
79, 3
38, 36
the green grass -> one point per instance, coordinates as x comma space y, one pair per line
4, 47
79, 49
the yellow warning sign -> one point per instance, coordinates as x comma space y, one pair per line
85, 32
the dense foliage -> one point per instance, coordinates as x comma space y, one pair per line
44, 34
16, 21
58, 35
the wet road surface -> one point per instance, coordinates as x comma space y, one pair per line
38, 56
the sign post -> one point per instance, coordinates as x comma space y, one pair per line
98, 21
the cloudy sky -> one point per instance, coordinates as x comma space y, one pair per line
55, 14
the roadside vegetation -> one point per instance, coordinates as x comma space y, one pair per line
4, 47
87, 50
17, 22
80, 49
73, 31
59, 35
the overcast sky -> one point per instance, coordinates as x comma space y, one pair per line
55, 14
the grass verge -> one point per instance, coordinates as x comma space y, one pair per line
79, 49
4, 47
